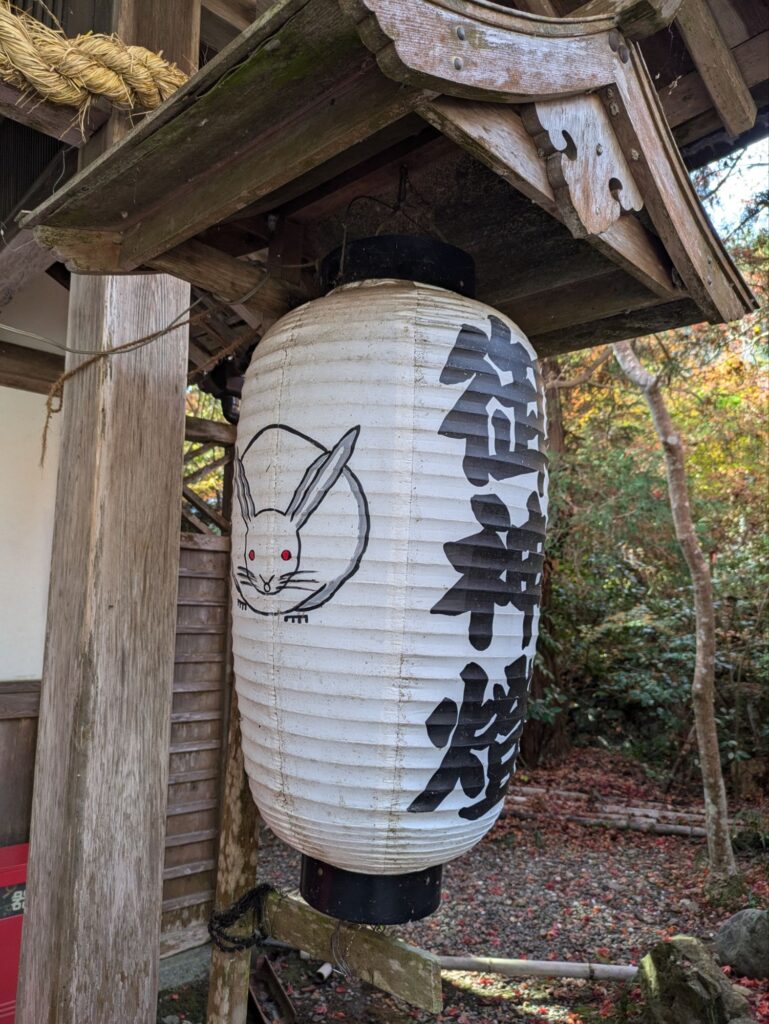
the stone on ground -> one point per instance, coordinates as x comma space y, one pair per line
682, 984
742, 943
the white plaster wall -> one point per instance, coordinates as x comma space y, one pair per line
27, 492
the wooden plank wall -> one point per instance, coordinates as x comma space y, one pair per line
200, 706
18, 735
200, 709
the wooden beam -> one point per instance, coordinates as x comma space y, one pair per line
236, 281
390, 964
222, 20
572, 305
688, 97
380, 149
202, 506
21, 260
506, 57
636, 18
196, 429
618, 328
21, 255
360, 105
259, 299
293, 91
28, 369
59, 122
717, 67
210, 467
238, 14
19, 699
95, 875
546, 8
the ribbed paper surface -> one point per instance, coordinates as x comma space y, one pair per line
349, 639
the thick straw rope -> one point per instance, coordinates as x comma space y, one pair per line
43, 62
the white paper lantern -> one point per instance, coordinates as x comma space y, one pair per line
387, 549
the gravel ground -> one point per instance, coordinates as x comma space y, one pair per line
529, 894
524, 894
544, 890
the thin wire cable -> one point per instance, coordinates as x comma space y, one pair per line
63, 347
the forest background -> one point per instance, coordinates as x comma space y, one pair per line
617, 633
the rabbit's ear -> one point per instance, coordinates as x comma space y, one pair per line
320, 478
243, 490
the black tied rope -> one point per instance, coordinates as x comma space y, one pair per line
221, 920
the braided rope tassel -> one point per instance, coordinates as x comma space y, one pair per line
71, 72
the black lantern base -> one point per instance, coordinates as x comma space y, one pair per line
370, 899
403, 257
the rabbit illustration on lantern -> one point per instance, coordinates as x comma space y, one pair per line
289, 486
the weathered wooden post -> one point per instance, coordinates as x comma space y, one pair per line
91, 932
228, 988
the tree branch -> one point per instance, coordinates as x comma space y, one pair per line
583, 378
703, 682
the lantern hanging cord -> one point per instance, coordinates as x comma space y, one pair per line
398, 208
338, 955
222, 920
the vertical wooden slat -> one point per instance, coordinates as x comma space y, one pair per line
717, 67
200, 707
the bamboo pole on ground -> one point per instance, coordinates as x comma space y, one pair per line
538, 968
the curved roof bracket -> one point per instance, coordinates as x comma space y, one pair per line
478, 50
591, 179
562, 70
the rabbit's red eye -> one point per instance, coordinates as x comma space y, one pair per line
251, 555
285, 554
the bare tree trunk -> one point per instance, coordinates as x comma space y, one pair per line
720, 852
543, 739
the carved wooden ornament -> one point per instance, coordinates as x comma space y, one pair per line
588, 171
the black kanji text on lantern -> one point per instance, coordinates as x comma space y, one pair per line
475, 726
498, 565
478, 358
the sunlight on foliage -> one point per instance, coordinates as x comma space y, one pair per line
618, 637
204, 463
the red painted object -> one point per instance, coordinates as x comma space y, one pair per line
13, 878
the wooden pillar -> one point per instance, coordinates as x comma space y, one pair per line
94, 884
238, 844
236, 874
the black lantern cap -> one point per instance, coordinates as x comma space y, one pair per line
370, 899
404, 257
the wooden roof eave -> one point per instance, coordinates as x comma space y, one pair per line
306, 83
474, 51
